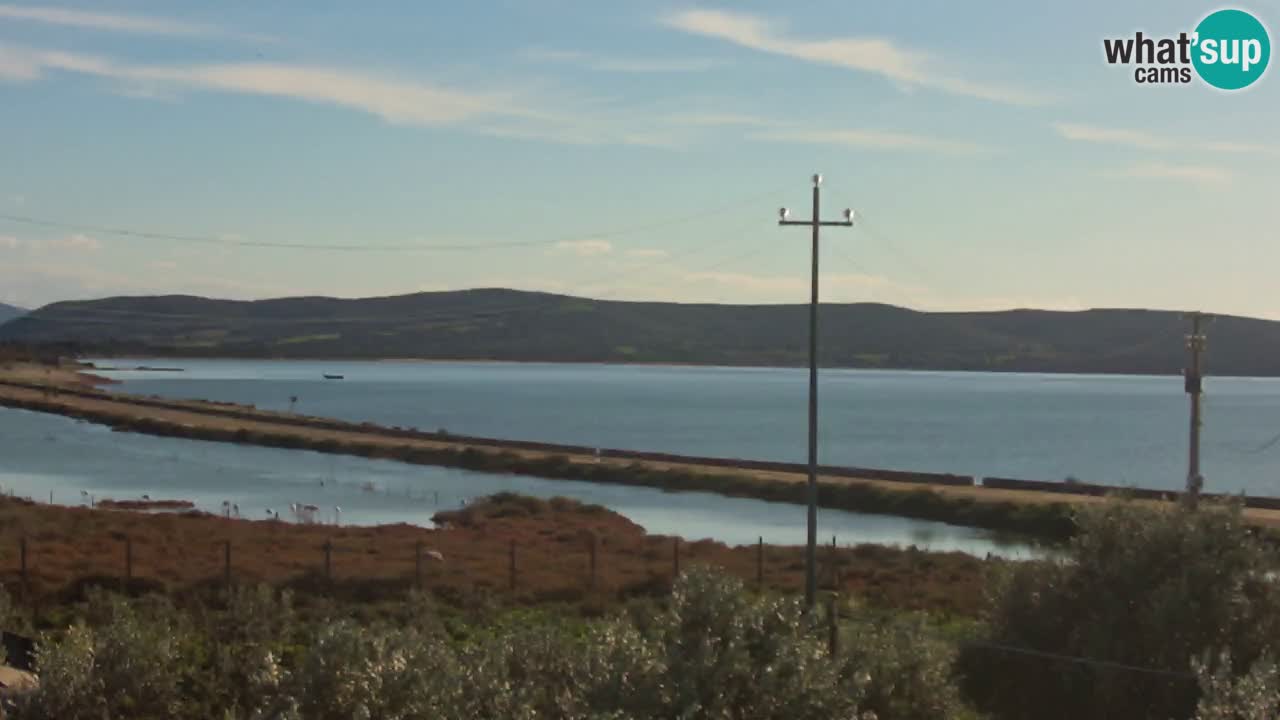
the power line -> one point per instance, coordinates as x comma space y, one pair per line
923, 273
361, 247
109, 316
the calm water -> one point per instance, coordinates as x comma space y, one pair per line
1111, 429
40, 454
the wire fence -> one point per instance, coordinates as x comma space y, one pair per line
339, 568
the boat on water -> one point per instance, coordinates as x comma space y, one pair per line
327, 376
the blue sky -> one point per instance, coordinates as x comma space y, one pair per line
641, 149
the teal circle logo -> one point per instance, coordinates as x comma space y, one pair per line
1232, 49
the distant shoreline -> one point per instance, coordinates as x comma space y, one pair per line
619, 363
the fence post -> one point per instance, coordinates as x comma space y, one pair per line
226, 563
675, 558
513, 566
22, 552
593, 542
328, 561
835, 565
128, 558
417, 564
833, 627
760, 563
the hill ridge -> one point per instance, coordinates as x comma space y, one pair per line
517, 325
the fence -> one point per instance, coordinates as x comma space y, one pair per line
357, 566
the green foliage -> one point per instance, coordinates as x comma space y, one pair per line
1155, 588
1252, 696
908, 670
127, 663
714, 652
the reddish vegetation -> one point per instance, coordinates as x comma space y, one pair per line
67, 547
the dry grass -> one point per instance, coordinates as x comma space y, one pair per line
68, 548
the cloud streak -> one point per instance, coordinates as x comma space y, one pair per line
585, 248
1204, 174
1144, 140
875, 140
874, 55
603, 63
394, 100
111, 22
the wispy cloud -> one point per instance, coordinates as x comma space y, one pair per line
647, 253
1146, 140
78, 242
719, 119
112, 22
1111, 136
876, 140
585, 248
9, 242
771, 130
395, 100
1206, 174
606, 63
878, 56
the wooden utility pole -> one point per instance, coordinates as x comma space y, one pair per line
1194, 385
811, 552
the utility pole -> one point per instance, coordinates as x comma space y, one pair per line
811, 551
1194, 385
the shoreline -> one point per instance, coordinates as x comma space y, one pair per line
661, 364
1028, 512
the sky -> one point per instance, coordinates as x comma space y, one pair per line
633, 150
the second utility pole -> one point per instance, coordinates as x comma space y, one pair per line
811, 552
1194, 385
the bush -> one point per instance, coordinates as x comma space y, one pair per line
908, 674
1253, 696
1140, 586
130, 665
715, 651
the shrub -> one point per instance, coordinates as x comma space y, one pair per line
1140, 586
1253, 696
714, 651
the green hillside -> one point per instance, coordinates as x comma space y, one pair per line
8, 312
510, 325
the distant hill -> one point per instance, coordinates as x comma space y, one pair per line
8, 312
511, 325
